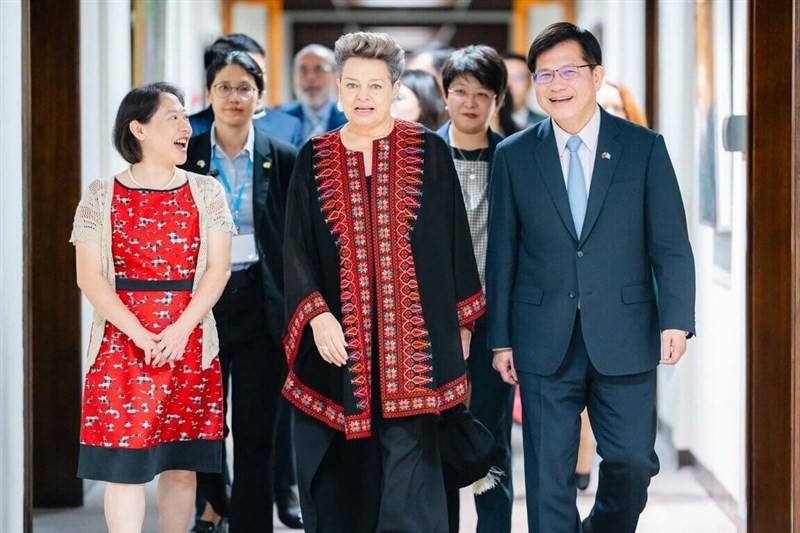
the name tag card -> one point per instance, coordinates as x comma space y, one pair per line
243, 249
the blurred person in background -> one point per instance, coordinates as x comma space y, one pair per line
474, 81
254, 171
519, 84
430, 60
315, 89
419, 99
276, 124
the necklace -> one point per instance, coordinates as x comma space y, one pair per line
133, 180
471, 174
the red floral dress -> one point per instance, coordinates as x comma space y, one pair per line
132, 406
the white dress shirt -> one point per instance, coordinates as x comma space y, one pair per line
589, 136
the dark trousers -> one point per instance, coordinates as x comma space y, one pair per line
255, 368
285, 466
388, 483
491, 402
622, 410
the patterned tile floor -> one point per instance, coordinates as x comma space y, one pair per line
677, 504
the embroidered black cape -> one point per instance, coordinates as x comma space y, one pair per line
405, 243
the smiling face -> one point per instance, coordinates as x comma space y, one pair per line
366, 92
571, 103
236, 109
470, 104
165, 136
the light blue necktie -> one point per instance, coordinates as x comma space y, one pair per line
576, 186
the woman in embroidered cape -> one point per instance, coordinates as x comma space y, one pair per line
379, 263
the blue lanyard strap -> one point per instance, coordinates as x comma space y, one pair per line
235, 201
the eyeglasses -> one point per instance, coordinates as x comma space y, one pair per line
224, 90
317, 70
543, 77
482, 97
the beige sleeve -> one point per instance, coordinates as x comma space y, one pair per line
217, 211
88, 222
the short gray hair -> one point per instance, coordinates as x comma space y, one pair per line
371, 45
318, 50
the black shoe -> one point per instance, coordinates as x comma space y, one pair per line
204, 526
582, 480
289, 508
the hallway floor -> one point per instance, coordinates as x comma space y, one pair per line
677, 504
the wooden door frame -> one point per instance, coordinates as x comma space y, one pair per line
773, 272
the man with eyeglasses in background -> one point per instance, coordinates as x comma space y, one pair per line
315, 90
585, 215
273, 123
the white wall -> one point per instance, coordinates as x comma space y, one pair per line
190, 27
622, 40
705, 400
11, 349
105, 78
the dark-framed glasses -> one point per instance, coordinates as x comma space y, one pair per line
567, 73
224, 90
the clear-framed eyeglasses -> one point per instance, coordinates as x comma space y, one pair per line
567, 73
224, 90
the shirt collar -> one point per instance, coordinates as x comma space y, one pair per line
589, 134
322, 114
248, 145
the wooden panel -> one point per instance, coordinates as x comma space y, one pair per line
52, 301
520, 39
771, 267
274, 48
651, 63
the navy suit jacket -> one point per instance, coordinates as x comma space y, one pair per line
335, 119
634, 234
274, 124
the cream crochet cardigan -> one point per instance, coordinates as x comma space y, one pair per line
93, 223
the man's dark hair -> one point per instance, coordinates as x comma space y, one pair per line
233, 42
480, 61
241, 59
140, 104
560, 32
515, 56
431, 104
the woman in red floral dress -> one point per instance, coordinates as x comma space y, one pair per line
153, 255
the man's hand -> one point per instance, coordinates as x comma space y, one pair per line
503, 362
673, 346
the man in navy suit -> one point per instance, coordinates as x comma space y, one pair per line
590, 285
315, 90
272, 123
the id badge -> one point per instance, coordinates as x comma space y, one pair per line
243, 249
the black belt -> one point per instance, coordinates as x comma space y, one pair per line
124, 284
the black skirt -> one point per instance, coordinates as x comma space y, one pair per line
126, 465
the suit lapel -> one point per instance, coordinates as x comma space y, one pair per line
550, 167
604, 167
262, 170
199, 158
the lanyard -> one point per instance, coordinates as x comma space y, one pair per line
234, 202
